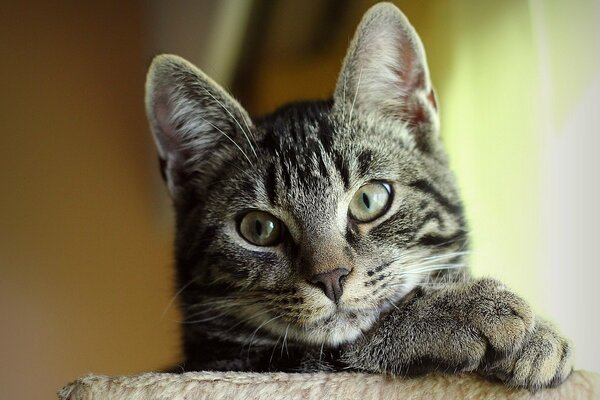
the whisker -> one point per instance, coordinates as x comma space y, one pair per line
228, 137
257, 329
428, 260
448, 255
197, 321
175, 296
285, 342
275, 348
228, 302
355, 96
249, 130
429, 268
344, 98
244, 320
222, 307
460, 241
235, 119
321, 350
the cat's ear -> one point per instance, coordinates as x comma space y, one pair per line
193, 120
385, 72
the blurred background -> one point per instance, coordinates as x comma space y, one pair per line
85, 225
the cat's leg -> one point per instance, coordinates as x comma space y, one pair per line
476, 325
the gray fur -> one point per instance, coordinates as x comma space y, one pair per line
408, 303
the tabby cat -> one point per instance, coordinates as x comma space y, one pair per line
329, 235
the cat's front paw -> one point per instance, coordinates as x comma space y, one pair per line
545, 360
467, 326
504, 319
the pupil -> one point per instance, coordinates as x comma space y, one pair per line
365, 198
258, 227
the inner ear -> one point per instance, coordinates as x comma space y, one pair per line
386, 69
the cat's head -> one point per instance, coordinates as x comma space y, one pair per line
319, 217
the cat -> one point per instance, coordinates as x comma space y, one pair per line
330, 235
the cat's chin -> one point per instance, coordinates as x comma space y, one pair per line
343, 324
339, 327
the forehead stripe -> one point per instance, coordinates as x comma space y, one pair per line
427, 188
271, 184
342, 167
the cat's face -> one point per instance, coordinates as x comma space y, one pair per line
313, 221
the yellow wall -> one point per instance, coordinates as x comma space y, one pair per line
520, 120
489, 112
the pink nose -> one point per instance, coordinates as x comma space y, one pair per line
331, 282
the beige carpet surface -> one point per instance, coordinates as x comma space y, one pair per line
237, 385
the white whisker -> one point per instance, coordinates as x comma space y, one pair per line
257, 329
355, 96
197, 321
174, 297
344, 98
285, 341
235, 119
244, 320
228, 137
393, 305
275, 348
430, 268
447, 255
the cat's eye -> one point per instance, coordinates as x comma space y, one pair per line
260, 228
370, 202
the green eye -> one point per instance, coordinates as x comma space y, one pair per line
260, 228
370, 201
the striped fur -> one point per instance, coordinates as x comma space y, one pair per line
247, 307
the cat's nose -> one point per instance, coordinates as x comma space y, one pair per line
331, 282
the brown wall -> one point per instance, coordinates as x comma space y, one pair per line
84, 252
85, 245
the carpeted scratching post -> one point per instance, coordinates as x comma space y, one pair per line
308, 386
